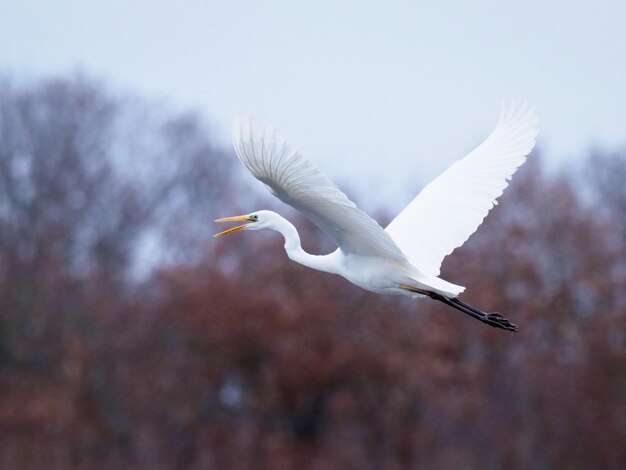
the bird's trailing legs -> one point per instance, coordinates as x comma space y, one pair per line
492, 319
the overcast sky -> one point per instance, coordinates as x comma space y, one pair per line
382, 95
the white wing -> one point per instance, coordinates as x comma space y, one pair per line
449, 209
296, 181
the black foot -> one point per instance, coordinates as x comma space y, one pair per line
498, 321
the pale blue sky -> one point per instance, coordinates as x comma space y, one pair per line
382, 95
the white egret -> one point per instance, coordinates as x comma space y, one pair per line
405, 258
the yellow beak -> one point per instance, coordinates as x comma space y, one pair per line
237, 218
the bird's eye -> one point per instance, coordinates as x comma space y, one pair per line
255, 218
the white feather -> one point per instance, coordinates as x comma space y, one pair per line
449, 209
297, 182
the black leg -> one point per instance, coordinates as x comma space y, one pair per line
492, 319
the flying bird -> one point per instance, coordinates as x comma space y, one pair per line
405, 257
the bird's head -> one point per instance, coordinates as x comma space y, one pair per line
260, 220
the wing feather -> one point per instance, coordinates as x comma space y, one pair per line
449, 209
296, 181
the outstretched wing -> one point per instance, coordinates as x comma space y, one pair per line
449, 209
296, 181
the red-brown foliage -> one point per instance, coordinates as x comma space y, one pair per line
237, 358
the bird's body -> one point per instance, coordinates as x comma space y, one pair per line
374, 273
404, 258
385, 277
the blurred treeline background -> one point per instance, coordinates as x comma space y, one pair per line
131, 339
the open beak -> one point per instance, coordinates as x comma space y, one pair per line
237, 218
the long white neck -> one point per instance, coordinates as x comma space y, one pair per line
296, 253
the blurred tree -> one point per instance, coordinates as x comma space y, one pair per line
94, 188
130, 339
547, 257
